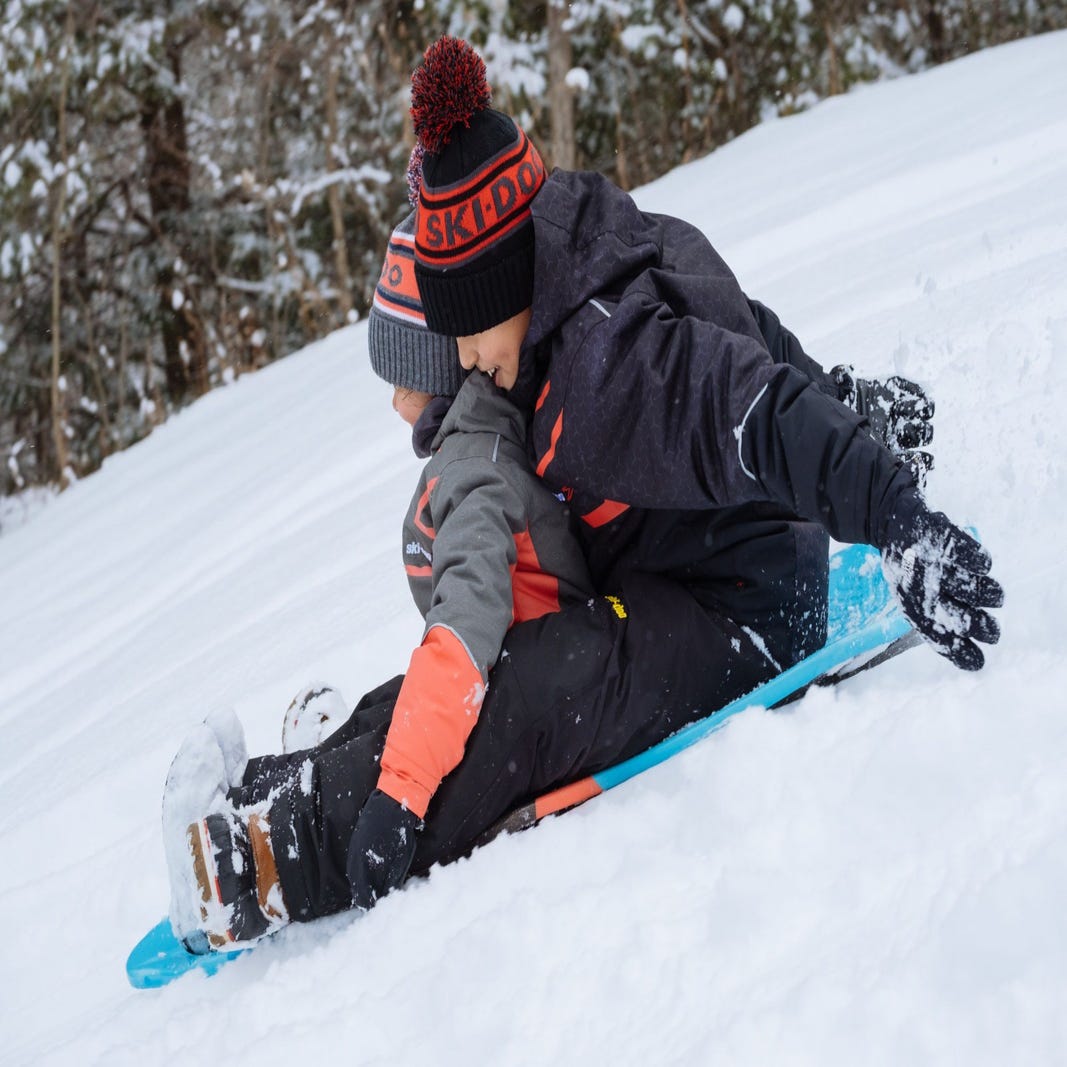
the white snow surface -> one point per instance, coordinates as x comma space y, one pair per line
875, 876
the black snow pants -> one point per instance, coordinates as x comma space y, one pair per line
573, 692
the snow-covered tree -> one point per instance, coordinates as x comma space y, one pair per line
189, 189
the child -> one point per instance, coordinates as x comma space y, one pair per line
692, 446
485, 545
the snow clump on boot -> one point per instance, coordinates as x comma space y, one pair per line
230, 735
315, 713
196, 786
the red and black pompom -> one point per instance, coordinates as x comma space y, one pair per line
447, 89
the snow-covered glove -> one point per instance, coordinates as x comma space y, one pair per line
381, 849
899, 412
940, 575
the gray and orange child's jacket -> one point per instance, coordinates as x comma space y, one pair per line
486, 545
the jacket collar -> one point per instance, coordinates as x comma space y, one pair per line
479, 407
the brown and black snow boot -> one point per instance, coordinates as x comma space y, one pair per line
240, 894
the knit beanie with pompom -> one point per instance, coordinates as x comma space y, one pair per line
474, 233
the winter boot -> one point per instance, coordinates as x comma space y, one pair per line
240, 898
314, 714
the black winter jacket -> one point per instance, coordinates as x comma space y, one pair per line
691, 441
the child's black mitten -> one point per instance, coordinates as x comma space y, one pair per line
899, 412
940, 575
381, 849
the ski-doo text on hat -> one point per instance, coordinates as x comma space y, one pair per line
457, 222
474, 233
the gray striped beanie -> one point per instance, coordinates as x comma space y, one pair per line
402, 349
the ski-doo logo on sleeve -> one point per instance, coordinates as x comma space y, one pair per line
413, 548
457, 223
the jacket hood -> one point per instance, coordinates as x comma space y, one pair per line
589, 240
480, 407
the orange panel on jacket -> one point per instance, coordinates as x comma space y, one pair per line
534, 593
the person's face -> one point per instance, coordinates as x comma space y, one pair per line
409, 404
496, 351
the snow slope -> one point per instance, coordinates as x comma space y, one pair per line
874, 877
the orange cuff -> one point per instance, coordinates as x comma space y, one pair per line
435, 712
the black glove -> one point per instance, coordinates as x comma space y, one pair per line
940, 576
900, 414
381, 849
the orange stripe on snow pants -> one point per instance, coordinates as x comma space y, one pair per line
602, 515
567, 796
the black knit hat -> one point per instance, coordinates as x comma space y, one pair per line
402, 350
474, 232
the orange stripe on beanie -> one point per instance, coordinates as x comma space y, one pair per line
397, 292
480, 172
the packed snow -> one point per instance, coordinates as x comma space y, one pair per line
875, 876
